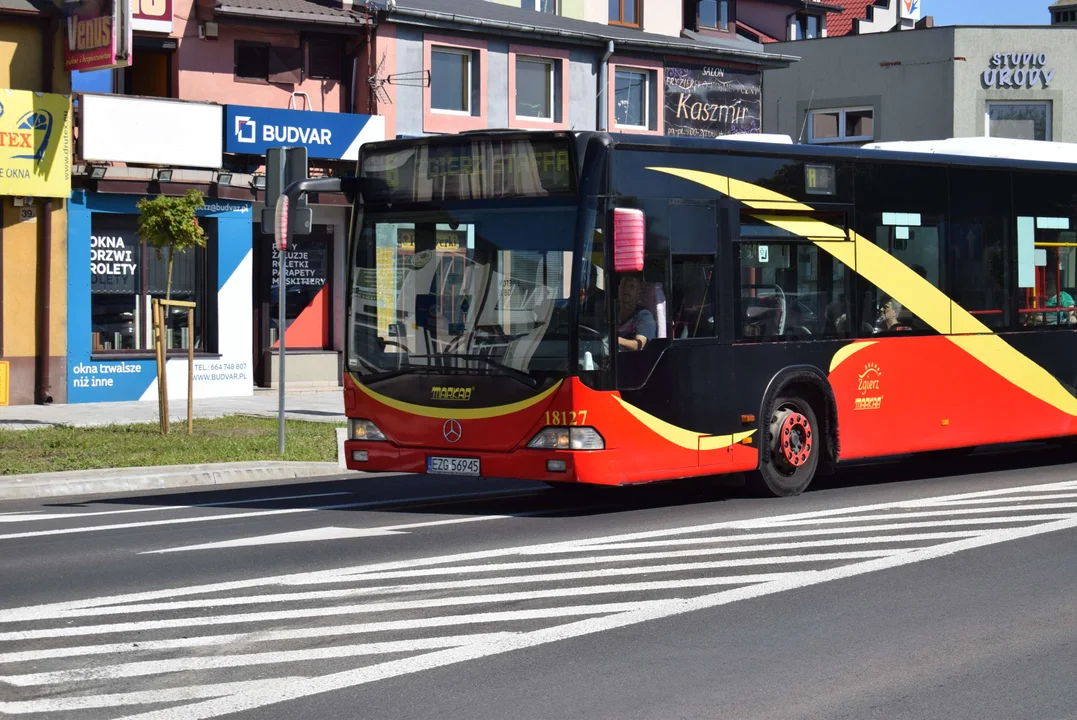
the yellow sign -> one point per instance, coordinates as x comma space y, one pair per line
451, 393
35, 144
5, 382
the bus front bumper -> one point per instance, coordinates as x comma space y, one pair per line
591, 467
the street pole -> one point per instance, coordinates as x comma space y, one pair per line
282, 295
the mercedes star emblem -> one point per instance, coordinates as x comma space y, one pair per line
452, 431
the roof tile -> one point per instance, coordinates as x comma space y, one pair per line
843, 23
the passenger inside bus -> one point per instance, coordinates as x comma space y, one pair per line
888, 321
636, 324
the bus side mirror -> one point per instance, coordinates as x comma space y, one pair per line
629, 232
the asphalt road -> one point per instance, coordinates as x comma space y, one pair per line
886, 592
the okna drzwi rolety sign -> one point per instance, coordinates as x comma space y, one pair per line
711, 101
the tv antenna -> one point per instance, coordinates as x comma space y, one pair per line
378, 81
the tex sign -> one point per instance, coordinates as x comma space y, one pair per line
333, 136
35, 144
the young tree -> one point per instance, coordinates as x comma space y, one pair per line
171, 223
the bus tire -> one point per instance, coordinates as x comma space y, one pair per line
796, 440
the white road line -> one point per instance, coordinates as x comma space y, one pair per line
395, 606
734, 539
360, 592
251, 515
138, 697
216, 662
924, 513
995, 500
336, 533
331, 631
637, 557
285, 691
669, 536
35, 516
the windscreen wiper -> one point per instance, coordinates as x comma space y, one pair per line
518, 375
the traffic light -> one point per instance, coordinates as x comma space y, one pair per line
285, 166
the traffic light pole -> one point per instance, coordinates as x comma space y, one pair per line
293, 196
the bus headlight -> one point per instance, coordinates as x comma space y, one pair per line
364, 430
563, 438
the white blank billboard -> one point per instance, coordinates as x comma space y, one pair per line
148, 131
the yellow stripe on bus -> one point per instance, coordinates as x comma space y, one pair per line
916, 293
455, 413
686, 439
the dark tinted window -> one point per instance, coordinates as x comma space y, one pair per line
692, 306
693, 226
981, 241
252, 61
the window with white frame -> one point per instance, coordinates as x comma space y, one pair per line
451, 80
841, 125
550, 7
1019, 120
632, 94
535, 81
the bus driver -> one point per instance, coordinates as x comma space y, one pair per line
635, 323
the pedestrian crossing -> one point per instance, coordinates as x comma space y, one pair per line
212, 650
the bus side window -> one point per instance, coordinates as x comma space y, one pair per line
692, 304
791, 291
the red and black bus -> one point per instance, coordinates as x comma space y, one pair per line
592, 308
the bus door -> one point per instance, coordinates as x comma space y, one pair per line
669, 360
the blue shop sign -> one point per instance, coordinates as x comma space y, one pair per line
251, 130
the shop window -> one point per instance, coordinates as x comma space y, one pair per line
626, 12
125, 275
842, 125
451, 80
790, 291
535, 80
307, 297
692, 302
259, 62
324, 58
550, 7
980, 245
632, 94
1019, 120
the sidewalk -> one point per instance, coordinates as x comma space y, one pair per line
315, 406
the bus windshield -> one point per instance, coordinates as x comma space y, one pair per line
477, 290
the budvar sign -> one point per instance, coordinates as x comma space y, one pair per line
333, 136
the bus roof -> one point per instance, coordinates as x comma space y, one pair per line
976, 152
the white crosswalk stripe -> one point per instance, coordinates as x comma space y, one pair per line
206, 651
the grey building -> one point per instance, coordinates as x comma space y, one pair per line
446, 66
929, 84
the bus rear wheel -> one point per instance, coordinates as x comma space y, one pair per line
794, 446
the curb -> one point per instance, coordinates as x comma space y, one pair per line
90, 482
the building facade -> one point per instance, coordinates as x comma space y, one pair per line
928, 84
35, 120
646, 70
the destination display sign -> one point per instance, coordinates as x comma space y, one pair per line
478, 169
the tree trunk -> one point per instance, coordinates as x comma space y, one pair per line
168, 287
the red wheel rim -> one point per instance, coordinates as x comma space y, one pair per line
795, 439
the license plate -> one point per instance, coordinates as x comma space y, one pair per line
452, 466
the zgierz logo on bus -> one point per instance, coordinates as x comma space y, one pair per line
869, 382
